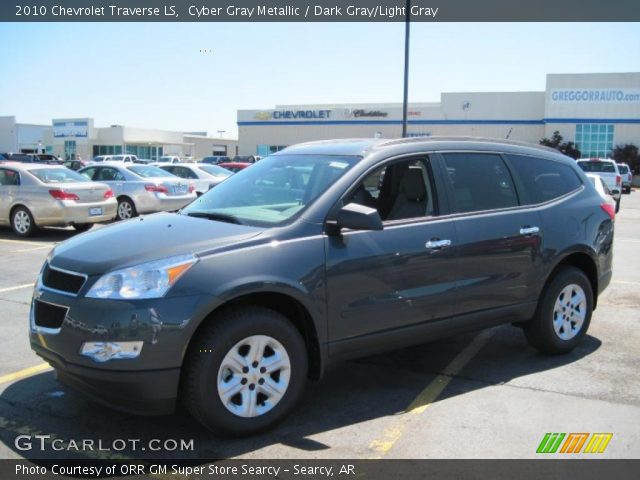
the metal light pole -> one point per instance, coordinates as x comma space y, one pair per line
407, 24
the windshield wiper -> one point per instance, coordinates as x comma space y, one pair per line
222, 217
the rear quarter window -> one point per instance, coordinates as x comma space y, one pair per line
543, 180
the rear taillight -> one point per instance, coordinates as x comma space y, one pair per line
192, 187
156, 188
108, 194
62, 195
618, 179
609, 209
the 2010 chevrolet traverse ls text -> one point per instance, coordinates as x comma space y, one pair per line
321, 252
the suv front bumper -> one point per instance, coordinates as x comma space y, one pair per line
143, 392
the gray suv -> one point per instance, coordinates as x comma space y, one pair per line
321, 252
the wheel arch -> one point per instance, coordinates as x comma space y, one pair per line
287, 305
582, 260
15, 206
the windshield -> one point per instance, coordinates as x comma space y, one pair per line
57, 175
274, 190
149, 171
215, 170
595, 166
623, 169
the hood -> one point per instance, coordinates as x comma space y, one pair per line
145, 239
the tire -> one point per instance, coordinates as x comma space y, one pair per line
618, 205
22, 222
126, 209
82, 227
210, 370
547, 331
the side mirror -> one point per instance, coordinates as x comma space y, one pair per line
358, 217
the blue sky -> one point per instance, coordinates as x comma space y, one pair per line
153, 75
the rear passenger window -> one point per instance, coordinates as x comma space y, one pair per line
480, 181
543, 180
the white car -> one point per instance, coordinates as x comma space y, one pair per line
141, 188
202, 175
168, 159
602, 189
116, 158
627, 177
607, 169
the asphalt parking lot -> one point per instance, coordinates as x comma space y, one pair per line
482, 395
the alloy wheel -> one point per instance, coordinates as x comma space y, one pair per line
22, 222
569, 312
253, 376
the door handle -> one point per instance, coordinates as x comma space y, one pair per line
437, 244
527, 230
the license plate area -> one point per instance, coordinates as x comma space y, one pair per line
95, 211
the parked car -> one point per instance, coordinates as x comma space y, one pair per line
215, 160
603, 190
259, 284
235, 167
141, 188
39, 195
608, 170
246, 158
20, 157
75, 164
169, 159
627, 177
203, 177
116, 158
48, 158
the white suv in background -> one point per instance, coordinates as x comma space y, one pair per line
627, 177
607, 169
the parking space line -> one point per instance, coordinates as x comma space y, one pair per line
27, 372
26, 242
429, 395
17, 287
627, 282
31, 249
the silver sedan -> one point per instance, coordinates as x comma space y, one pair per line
141, 188
38, 195
202, 175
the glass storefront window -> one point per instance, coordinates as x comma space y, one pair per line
595, 140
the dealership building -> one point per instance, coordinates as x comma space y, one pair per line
71, 138
596, 111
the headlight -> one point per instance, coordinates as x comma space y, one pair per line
147, 280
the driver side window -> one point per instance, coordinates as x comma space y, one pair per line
399, 191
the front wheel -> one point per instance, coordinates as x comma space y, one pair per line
245, 371
563, 314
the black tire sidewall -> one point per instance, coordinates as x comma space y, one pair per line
543, 324
242, 324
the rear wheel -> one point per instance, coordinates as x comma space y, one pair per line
126, 209
617, 205
82, 227
245, 371
563, 314
22, 222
